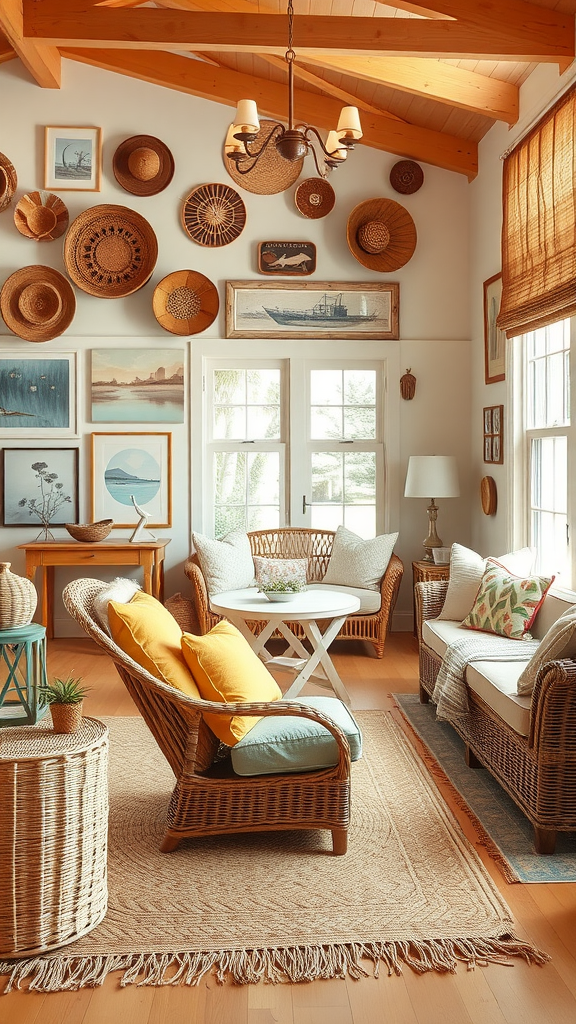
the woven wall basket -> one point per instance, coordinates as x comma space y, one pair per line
185, 302
406, 177
143, 165
314, 198
8, 181
37, 303
41, 215
381, 234
213, 215
110, 251
272, 173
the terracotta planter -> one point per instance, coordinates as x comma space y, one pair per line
18, 598
66, 717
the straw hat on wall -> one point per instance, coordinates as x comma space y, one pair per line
8, 181
381, 234
143, 165
37, 303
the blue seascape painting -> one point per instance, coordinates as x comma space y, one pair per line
132, 472
34, 393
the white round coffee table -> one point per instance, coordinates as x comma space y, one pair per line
307, 608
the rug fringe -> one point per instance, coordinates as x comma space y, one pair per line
54, 973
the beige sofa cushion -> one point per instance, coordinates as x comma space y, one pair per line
559, 642
370, 600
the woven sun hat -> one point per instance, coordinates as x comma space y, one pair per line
41, 215
406, 177
314, 197
37, 303
272, 173
8, 181
381, 234
185, 302
110, 251
143, 165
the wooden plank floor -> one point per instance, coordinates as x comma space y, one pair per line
545, 914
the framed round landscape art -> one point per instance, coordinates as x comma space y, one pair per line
131, 469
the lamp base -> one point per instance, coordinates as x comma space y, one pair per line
432, 540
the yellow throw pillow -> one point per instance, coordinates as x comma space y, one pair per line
146, 631
225, 669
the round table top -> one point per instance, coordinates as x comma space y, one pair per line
309, 604
21, 742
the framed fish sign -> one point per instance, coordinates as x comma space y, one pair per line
287, 259
313, 309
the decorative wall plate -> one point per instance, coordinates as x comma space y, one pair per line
213, 215
41, 215
185, 302
314, 198
272, 173
110, 251
406, 177
37, 303
287, 259
488, 495
8, 181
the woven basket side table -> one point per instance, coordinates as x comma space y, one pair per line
53, 840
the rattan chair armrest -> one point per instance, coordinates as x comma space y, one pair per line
553, 710
199, 593
429, 600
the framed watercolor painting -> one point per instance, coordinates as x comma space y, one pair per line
72, 158
39, 487
38, 395
142, 385
494, 338
312, 309
128, 469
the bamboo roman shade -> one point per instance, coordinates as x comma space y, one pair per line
539, 227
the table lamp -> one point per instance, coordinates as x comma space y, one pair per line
427, 475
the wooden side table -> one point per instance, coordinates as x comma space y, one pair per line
48, 554
23, 674
422, 572
53, 840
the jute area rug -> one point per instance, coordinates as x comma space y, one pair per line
278, 906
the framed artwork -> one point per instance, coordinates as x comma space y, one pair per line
38, 485
142, 385
494, 338
38, 395
494, 433
312, 309
287, 259
72, 158
131, 469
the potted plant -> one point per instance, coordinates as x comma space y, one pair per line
282, 590
65, 697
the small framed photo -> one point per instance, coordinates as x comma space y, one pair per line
40, 485
72, 159
131, 470
494, 338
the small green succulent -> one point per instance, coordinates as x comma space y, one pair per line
63, 691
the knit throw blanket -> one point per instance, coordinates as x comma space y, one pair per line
450, 695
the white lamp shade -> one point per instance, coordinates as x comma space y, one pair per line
232, 144
432, 476
337, 152
349, 123
247, 117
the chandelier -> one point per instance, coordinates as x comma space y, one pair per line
297, 140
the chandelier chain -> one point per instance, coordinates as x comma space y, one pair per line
290, 55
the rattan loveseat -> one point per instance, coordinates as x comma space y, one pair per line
537, 770
315, 546
208, 798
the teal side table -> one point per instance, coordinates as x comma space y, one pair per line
22, 673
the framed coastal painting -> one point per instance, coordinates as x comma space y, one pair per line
72, 158
38, 395
132, 472
312, 309
39, 487
494, 338
144, 385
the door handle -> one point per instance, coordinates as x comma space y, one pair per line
304, 504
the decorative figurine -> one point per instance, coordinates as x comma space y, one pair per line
138, 535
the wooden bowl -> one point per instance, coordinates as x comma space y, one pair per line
90, 533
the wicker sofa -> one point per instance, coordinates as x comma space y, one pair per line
527, 743
315, 546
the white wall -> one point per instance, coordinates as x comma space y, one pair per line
434, 308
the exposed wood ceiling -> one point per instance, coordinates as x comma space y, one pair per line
430, 78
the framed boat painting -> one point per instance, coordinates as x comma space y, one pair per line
312, 309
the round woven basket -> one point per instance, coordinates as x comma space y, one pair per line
41, 215
213, 215
37, 303
90, 532
8, 181
381, 234
314, 198
406, 177
272, 173
185, 302
110, 251
143, 165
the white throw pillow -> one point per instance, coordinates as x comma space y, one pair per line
226, 564
559, 642
121, 590
466, 571
355, 562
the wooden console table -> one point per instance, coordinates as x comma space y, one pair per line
49, 554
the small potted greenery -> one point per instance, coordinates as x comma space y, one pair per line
282, 590
65, 697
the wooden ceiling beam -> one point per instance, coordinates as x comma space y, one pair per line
225, 86
441, 82
78, 23
485, 12
41, 60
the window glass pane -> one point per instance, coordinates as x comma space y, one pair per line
327, 477
361, 519
263, 423
247, 489
229, 423
548, 377
548, 501
359, 387
262, 518
229, 386
325, 423
359, 477
326, 387
359, 424
263, 478
263, 387
326, 517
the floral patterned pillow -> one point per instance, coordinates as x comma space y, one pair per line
281, 573
506, 604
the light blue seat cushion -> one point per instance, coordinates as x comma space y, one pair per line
291, 744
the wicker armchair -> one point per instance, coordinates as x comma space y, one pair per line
209, 799
316, 546
539, 770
